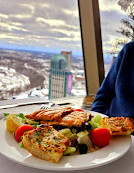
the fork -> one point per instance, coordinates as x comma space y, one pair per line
48, 106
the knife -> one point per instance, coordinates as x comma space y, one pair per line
30, 103
23, 104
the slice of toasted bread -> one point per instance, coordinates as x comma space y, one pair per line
118, 125
45, 143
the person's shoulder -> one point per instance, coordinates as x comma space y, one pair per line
126, 51
129, 45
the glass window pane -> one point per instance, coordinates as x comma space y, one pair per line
32, 33
111, 15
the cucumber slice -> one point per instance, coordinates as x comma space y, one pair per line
82, 133
93, 125
67, 132
69, 151
97, 119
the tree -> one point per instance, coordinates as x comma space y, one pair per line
126, 30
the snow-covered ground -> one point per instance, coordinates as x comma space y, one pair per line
10, 79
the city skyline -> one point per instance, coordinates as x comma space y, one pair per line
39, 28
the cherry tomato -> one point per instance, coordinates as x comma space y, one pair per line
100, 137
78, 110
20, 130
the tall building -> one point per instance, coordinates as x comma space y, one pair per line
68, 56
60, 79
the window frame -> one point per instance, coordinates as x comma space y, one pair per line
91, 44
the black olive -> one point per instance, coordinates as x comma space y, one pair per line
83, 148
79, 129
87, 126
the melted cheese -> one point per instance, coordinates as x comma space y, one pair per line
48, 143
118, 125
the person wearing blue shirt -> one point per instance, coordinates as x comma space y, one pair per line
115, 97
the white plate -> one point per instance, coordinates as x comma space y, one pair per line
118, 146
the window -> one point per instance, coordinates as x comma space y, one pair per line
111, 15
32, 33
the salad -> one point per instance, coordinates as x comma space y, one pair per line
87, 138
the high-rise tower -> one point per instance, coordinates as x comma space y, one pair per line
60, 79
68, 56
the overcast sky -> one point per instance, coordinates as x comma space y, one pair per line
52, 25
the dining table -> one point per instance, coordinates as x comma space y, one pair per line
124, 164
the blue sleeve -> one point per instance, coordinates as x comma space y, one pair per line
106, 92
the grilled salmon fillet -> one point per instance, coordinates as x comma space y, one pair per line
118, 125
76, 118
45, 143
50, 114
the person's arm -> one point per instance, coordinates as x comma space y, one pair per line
106, 92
